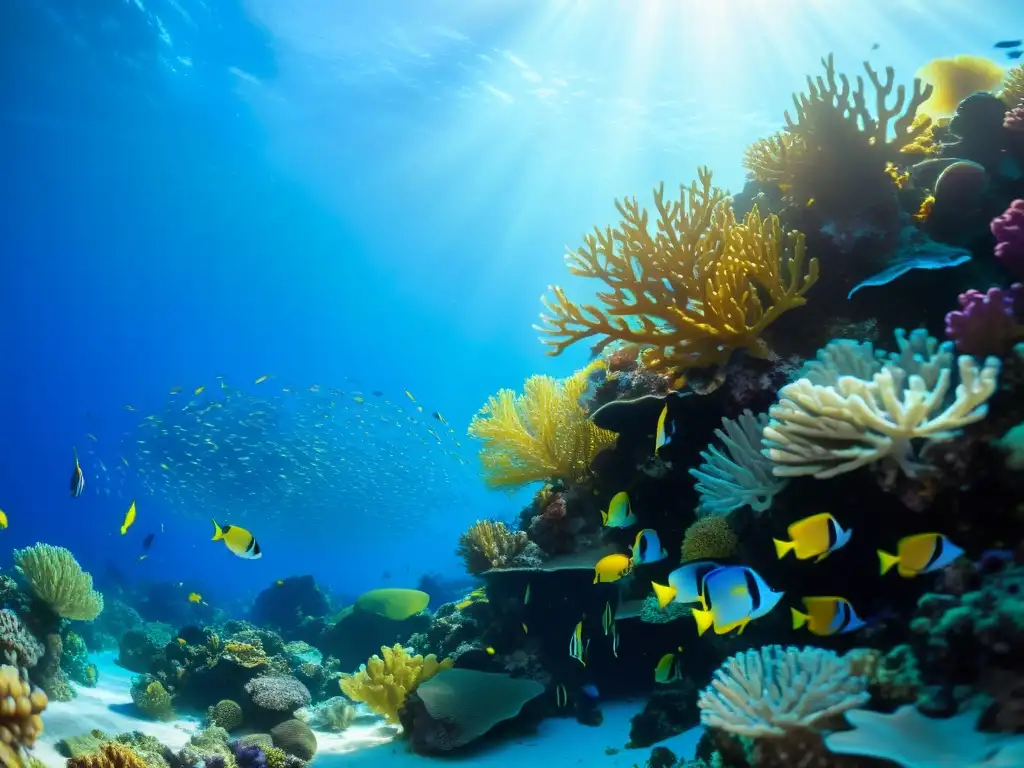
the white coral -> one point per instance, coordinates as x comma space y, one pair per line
770, 691
825, 431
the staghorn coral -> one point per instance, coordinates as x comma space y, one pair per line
56, 579
384, 683
702, 286
19, 646
771, 690
709, 538
20, 710
543, 434
490, 544
744, 477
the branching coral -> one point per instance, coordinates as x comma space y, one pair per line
699, 287
56, 579
489, 544
543, 434
744, 477
384, 683
768, 691
986, 323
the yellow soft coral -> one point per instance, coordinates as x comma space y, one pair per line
1012, 92
701, 286
543, 434
384, 684
709, 538
56, 579
954, 78
110, 755
488, 544
20, 708
153, 700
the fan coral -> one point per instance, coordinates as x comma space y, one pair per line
986, 323
56, 579
701, 287
384, 684
543, 434
825, 431
18, 644
20, 709
489, 544
744, 477
769, 691
277, 693
1008, 229
709, 538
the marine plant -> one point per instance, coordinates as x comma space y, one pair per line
57, 580
543, 434
489, 544
384, 683
698, 288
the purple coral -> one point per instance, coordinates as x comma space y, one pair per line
249, 755
986, 323
1009, 231
1013, 121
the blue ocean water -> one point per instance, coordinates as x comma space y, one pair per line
356, 199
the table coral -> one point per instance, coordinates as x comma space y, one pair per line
700, 287
384, 683
488, 544
542, 434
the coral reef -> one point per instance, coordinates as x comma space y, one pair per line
489, 544
57, 580
20, 647
295, 737
152, 699
384, 683
226, 714
294, 607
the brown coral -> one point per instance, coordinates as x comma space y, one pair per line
709, 538
699, 287
110, 755
20, 709
490, 544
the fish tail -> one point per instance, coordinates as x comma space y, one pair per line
218, 532
664, 593
597, 577
799, 619
887, 561
704, 620
783, 547
604, 517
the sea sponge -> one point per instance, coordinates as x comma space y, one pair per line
543, 434
19, 646
20, 710
709, 538
152, 699
295, 738
489, 544
226, 714
692, 289
56, 579
110, 755
954, 78
384, 683
393, 603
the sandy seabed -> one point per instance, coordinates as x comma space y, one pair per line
557, 742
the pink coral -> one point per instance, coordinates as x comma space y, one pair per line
1009, 232
1014, 120
987, 323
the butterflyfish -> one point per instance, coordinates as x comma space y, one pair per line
666, 430
647, 548
77, 478
685, 584
238, 540
129, 518
827, 616
734, 595
3, 519
921, 553
668, 669
619, 514
607, 618
577, 648
561, 696
612, 568
816, 536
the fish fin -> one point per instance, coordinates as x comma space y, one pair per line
664, 594
218, 532
743, 625
822, 556
597, 577
782, 547
886, 561
704, 620
799, 619
604, 517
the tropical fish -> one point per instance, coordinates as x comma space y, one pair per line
619, 514
92, 437
666, 430
409, 395
526, 595
615, 640
238, 540
181, 641
612, 568
577, 648
668, 669
1013, 54
921, 553
77, 478
3, 519
827, 616
815, 536
195, 597
129, 518
607, 618
129, 407
685, 583
647, 548
437, 415
734, 595
490, 650
142, 557
261, 379
526, 630
176, 389
148, 541
561, 696
198, 390
1009, 44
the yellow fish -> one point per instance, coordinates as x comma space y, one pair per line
3, 519
921, 553
668, 669
195, 597
619, 514
409, 395
490, 650
198, 390
129, 518
181, 641
262, 378
238, 540
77, 478
666, 430
827, 616
612, 568
577, 648
816, 536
